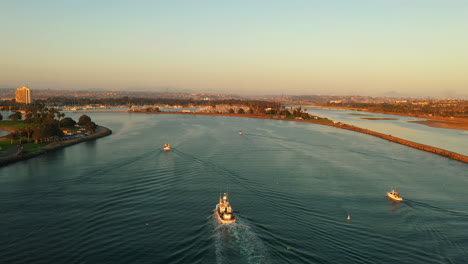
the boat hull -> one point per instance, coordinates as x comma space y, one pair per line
221, 220
394, 198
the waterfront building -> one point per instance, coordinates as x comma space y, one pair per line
23, 95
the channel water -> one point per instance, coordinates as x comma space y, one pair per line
121, 199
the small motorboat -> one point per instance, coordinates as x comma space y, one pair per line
394, 196
223, 211
167, 146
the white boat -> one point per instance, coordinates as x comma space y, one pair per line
241, 133
167, 146
223, 211
394, 195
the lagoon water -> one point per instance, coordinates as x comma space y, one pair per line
3, 133
121, 199
449, 139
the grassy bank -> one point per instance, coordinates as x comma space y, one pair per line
5, 145
10, 153
11, 126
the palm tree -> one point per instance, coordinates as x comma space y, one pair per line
28, 116
42, 115
60, 115
12, 136
29, 130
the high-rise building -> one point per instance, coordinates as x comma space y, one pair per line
23, 95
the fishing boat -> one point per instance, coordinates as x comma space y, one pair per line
394, 195
167, 146
223, 211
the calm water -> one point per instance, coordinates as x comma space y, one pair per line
449, 139
3, 133
120, 199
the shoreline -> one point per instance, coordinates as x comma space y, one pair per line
12, 158
427, 148
443, 124
457, 123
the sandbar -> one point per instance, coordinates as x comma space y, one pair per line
379, 118
443, 124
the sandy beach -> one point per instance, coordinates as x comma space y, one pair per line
378, 118
432, 121
443, 124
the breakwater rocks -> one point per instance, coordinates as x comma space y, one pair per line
442, 152
14, 157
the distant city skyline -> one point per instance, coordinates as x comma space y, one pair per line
361, 47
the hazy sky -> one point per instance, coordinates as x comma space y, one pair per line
366, 47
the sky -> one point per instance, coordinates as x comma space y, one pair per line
244, 47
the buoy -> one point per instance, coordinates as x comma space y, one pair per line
349, 217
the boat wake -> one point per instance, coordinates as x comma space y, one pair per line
413, 203
238, 243
431, 228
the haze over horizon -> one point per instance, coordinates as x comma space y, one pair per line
410, 48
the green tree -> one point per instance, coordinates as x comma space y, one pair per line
16, 116
285, 112
241, 111
59, 116
1, 117
29, 129
67, 122
84, 119
91, 127
38, 133
12, 137
28, 117
231, 111
52, 129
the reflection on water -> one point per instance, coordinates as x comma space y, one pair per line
449, 139
3, 133
121, 199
